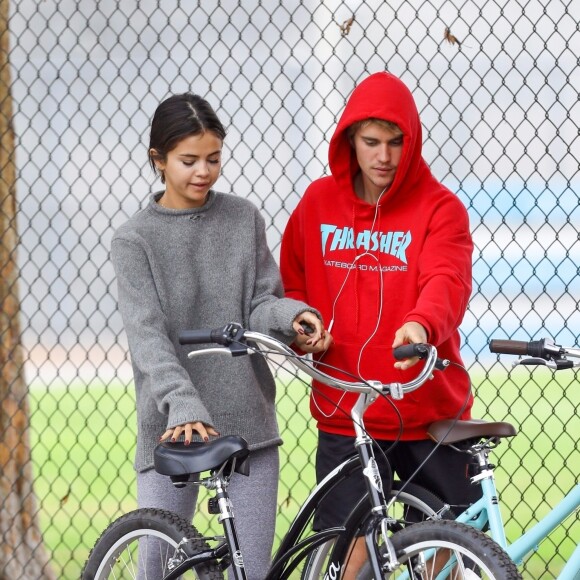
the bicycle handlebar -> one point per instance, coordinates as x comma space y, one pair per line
234, 340
410, 351
537, 352
203, 336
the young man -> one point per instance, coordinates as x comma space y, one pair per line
383, 251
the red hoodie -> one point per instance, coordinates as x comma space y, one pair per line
418, 252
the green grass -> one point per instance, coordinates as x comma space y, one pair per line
83, 443
82, 447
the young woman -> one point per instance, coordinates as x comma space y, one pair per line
196, 258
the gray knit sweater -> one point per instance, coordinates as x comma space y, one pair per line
197, 268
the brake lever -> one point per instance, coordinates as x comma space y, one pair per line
534, 361
555, 365
214, 350
237, 351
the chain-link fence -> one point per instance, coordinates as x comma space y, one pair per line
497, 88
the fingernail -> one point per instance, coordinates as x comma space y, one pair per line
173, 440
206, 439
186, 442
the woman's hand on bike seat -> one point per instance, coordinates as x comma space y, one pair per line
187, 430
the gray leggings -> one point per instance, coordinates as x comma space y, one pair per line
254, 501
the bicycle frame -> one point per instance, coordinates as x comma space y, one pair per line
293, 549
290, 542
486, 510
542, 352
291, 545
531, 538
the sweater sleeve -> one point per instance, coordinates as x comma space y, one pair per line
445, 278
152, 351
270, 313
292, 259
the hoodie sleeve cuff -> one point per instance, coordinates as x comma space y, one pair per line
431, 336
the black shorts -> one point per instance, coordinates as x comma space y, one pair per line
444, 474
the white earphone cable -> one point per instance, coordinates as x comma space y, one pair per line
379, 314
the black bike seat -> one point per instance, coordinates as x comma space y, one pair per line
181, 459
470, 429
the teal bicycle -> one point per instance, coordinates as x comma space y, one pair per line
485, 437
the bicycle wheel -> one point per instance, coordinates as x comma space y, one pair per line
447, 549
143, 544
425, 505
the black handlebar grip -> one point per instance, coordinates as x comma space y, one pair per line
501, 346
202, 336
410, 350
537, 348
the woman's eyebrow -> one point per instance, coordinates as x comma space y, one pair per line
194, 156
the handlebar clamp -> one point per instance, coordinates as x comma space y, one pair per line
396, 391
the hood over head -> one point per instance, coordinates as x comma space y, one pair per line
379, 96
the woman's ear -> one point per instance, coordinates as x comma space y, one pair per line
157, 159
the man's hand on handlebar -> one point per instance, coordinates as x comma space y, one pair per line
187, 430
410, 332
310, 333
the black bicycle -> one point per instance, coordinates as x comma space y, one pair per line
433, 548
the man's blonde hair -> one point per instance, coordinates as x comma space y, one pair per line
352, 129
